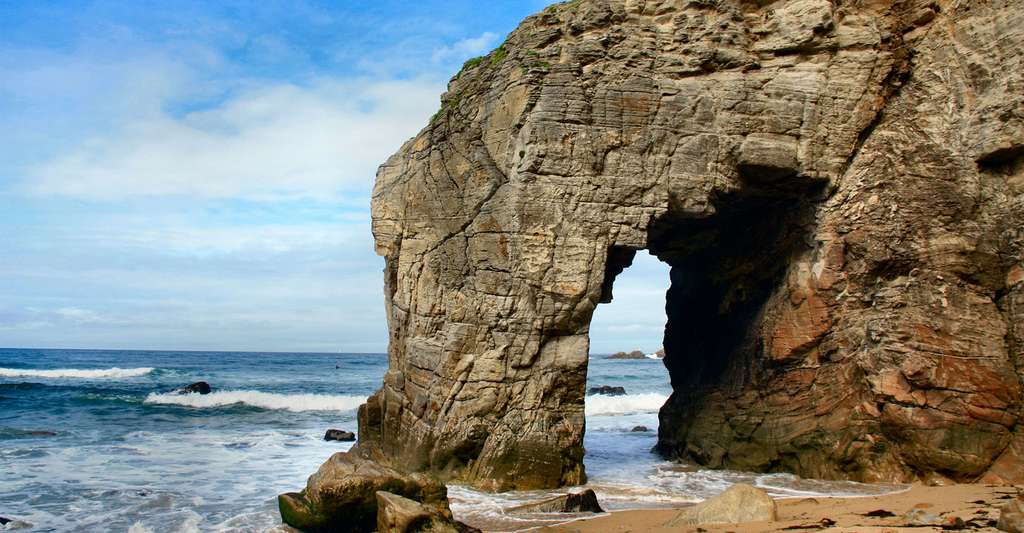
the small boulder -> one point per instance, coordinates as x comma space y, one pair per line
920, 517
607, 390
582, 502
339, 435
1011, 516
740, 503
199, 387
396, 514
639, 429
342, 495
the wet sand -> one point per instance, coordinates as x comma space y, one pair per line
976, 505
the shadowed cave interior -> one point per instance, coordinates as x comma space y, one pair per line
723, 269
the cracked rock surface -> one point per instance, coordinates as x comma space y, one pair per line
838, 187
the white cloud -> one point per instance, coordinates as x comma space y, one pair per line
466, 48
270, 142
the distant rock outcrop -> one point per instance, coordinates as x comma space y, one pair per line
837, 186
607, 390
635, 354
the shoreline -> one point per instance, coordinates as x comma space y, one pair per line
911, 509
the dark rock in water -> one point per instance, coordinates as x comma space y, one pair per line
340, 435
635, 354
200, 387
607, 390
639, 429
10, 524
582, 502
396, 514
40, 433
342, 495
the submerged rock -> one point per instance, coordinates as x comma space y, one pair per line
396, 514
581, 502
607, 390
199, 387
639, 429
739, 503
342, 495
339, 435
11, 524
837, 189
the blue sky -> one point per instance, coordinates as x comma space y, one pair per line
196, 175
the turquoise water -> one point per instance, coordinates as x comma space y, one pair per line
126, 455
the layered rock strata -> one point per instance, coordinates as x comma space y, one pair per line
838, 187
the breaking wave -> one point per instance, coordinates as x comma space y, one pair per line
649, 402
263, 400
78, 373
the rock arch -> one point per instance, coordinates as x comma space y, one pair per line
837, 186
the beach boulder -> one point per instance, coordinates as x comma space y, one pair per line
740, 503
635, 354
607, 390
339, 435
199, 387
396, 514
342, 495
582, 502
1011, 516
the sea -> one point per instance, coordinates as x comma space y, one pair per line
98, 440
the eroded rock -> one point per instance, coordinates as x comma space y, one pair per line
838, 188
342, 495
396, 514
579, 502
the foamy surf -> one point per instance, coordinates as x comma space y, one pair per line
649, 402
264, 400
75, 373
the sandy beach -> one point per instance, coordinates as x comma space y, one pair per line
976, 505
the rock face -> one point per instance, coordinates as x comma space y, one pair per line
342, 495
838, 187
739, 503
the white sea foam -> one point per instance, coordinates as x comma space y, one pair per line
79, 373
599, 404
265, 400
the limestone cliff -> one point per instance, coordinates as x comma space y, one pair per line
838, 187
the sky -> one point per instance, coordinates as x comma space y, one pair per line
185, 175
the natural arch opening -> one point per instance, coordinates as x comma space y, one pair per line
724, 269
625, 393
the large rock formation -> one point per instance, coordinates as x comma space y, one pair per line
838, 187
